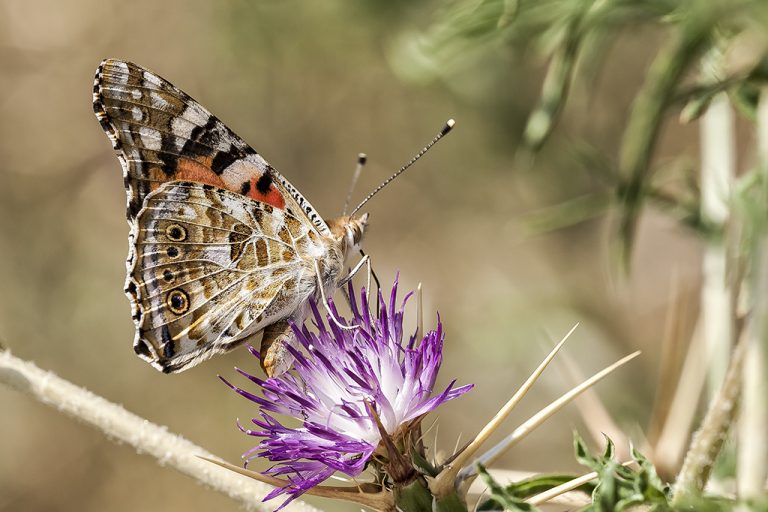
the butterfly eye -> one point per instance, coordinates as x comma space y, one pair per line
172, 252
177, 301
175, 233
168, 276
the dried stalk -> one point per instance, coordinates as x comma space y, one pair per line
709, 439
116, 423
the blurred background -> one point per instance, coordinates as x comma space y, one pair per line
309, 85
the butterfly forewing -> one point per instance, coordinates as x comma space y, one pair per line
213, 269
221, 244
161, 134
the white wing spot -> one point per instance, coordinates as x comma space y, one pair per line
196, 114
122, 67
152, 79
158, 101
150, 138
136, 93
136, 112
182, 128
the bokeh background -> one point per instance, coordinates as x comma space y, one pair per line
309, 85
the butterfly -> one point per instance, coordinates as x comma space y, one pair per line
222, 247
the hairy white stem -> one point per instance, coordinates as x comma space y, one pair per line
708, 440
147, 438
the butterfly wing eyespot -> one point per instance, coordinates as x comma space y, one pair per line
177, 301
168, 276
175, 233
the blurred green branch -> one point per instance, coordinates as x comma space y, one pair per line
573, 33
706, 48
642, 131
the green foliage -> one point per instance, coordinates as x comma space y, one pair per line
502, 498
619, 487
570, 38
422, 465
750, 203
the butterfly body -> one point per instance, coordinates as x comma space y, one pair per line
222, 247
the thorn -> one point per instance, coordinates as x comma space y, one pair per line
445, 481
537, 419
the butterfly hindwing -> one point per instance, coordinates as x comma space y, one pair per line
212, 269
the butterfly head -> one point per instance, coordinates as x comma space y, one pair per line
350, 231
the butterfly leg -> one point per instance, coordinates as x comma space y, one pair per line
356, 269
372, 272
327, 306
364, 260
275, 357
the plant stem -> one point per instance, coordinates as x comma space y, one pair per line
708, 440
718, 160
118, 424
753, 437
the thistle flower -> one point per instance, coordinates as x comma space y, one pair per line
358, 393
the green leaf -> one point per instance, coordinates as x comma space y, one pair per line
537, 484
606, 493
499, 496
610, 448
422, 465
621, 487
414, 497
709, 504
649, 483
745, 98
582, 454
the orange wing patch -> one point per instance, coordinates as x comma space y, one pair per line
199, 170
264, 191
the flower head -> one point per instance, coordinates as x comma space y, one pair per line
346, 386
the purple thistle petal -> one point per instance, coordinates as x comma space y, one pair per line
336, 373
254, 352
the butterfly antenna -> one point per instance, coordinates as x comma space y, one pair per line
447, 128
361, 159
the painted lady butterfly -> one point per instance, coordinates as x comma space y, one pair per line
222, 246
